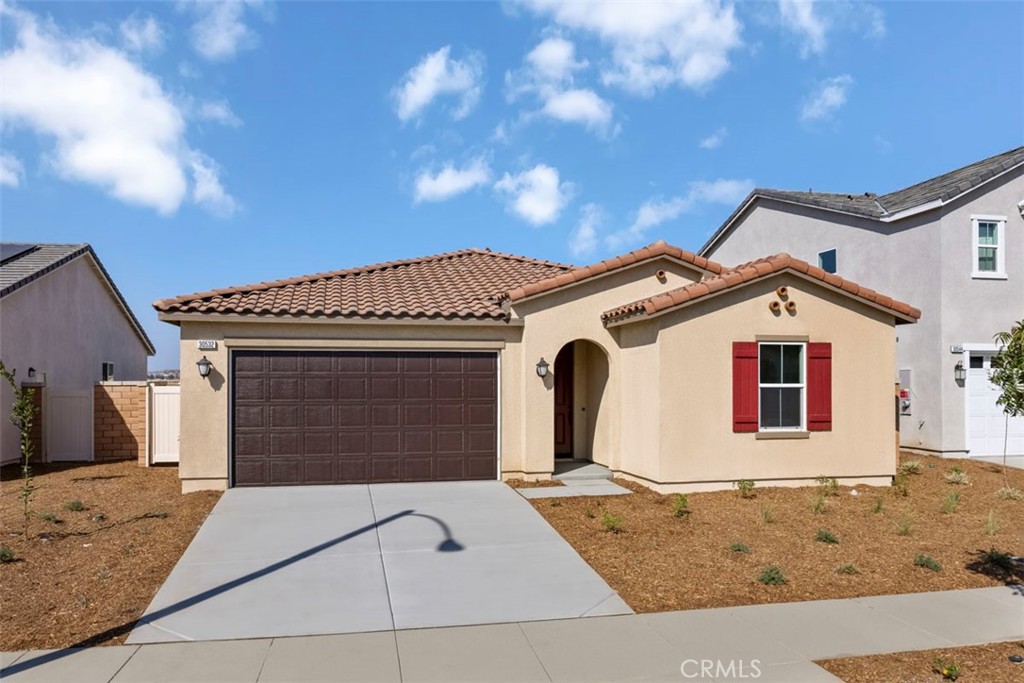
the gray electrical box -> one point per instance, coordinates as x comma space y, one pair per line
905, 392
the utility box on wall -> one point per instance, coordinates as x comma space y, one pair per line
905, 392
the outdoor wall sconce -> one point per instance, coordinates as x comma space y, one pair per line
204, 366
542, 368
31, 373
959, 371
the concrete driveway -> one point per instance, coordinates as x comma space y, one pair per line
312, 560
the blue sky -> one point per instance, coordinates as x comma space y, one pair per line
200, 145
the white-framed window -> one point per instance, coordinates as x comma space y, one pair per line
828, 260
988, 252
781, 389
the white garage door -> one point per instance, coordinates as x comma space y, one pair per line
986, 422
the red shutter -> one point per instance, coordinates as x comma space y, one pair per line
744, 387
819, 386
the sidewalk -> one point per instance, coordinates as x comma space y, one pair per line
781, 641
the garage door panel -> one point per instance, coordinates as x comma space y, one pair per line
355, 417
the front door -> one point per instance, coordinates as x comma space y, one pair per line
563, 402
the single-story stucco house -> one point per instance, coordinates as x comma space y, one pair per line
668, 368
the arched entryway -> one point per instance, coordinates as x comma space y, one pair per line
580, 411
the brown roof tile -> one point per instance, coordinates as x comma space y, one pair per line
745, 273
463, 284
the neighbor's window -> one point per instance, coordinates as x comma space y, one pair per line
827, 260
781, 386
989, 248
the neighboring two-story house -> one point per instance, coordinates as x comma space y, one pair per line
954, 245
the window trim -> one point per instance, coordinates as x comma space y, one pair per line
802, 427
1000, 272
825, 251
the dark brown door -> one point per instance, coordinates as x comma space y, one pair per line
563, 402
346, 417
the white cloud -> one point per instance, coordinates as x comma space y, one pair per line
451, 181
219, 31
142, 33
827, 98
583, 239
207, 190
536, 195
111, 123
218, 111
715, 140
654, 212
555, 59
798, 16
11, 170
438, 74
580, 106
654, 44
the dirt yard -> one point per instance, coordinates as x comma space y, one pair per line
714, 555
83, 576
978, 664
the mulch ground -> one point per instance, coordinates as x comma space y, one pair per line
86, 579
978, 664
659, 562
524, 484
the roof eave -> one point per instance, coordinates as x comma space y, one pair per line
177, 318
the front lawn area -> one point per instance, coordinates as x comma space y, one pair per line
102, 539
809, 543
977, 664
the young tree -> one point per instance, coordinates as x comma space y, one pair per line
23, 414
1008, 374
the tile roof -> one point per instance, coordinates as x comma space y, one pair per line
748, 272
462, 285
29, 265
575, 275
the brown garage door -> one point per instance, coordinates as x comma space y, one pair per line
346, 417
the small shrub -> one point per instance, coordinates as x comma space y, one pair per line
589, 513
877, 505
680, 505
767, 514
746, 488
610, 522
818, 504
825, 536
848, 569
1010, 493
998, 559
739, 548
991, 524
50, 517
6, 554
911, 467
829, 485
949, 671
901, 486
75, 506
772, 576
905, 524
957, 476
950, 501
927, 562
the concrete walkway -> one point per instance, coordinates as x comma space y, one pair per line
779, 641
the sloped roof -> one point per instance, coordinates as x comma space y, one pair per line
651, 251
460, 285
28, 265
748, 272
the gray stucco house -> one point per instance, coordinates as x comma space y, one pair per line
64, 326
954, 245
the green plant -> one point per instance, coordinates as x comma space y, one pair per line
589, 513
877, 505
610, 522
772, 576
911, 467
746, 488
849, 569
998, 559
767, 514
950, 501
957, 476
905, 524
6, 555
739, 548
991, 524
825, 536
818, 503
23, 415
680, 505
1007, 373
927, 562
75, 506
829, 485
1010, 493
949, 671
901, 486
50, 517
